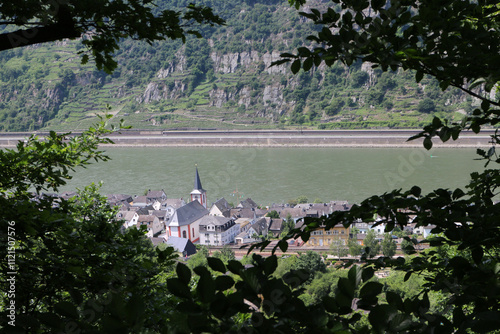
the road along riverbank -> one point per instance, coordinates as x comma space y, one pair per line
274, 138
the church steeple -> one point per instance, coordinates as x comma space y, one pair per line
197, 181
198, 193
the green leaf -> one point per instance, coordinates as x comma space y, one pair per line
444, 134
223, 282
475, 127
304, 52
206, 288
216, 264
379, 316
367, 273
317, 61
283, 245
220, 306
235, 267
436, 122
427, 143
419, 76
183, 273
178, 288
355, 275
346, 286
270, 264
370, 290
444, 84
457, 193
416, 191
394, 299
485, 105
295, 66
308, 63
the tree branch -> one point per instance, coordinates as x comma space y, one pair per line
64, 28
25, 37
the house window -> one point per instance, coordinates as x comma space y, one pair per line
184, 234
193, 231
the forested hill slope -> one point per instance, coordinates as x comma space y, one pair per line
223, 81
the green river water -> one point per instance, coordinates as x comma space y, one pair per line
275, 175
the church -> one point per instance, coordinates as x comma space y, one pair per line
185, 222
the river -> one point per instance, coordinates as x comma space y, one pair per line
276, 175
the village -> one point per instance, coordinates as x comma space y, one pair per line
183, 224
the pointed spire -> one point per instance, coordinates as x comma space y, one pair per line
197, 182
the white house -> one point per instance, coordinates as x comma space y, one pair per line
216, 231
129, 217
220, 208
425, 231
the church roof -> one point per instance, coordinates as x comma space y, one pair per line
189, 213
197, 181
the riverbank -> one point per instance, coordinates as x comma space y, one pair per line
275, 138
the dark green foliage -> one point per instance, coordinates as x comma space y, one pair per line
372, 245
441, 41
355, 249
74, 267
106, 24
427, 105
273, 214
310, 262
339, 248
359, 78
335, 106
388, 245
252, 301
226, 254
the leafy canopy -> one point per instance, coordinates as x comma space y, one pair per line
73, 266
456, 42
99, 24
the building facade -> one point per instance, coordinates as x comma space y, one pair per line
218, 231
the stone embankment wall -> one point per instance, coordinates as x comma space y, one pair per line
286, 138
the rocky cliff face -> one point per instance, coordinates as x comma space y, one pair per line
230, 63
161, 88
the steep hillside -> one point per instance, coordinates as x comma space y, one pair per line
223, 81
